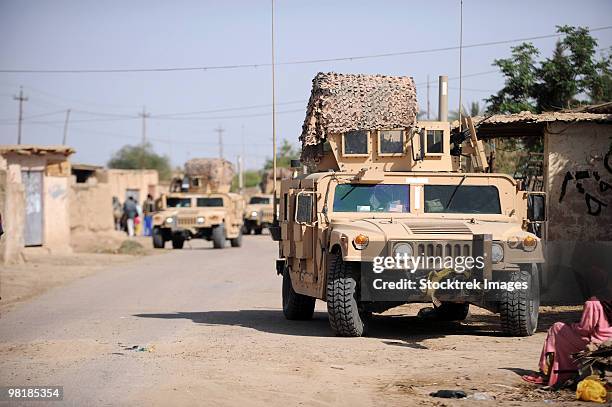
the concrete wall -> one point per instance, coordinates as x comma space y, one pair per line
119, 181
56, 219
579, 188
91, 209
579, 184
12, 207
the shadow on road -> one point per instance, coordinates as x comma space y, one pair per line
408, 330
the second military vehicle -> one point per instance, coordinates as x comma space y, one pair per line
200, 206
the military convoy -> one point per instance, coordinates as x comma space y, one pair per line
383, 185
200, 206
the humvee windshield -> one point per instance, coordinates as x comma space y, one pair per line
178, 202
208, 202
463, 199
259, 200
372, 198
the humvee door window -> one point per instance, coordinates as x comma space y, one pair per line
259, 200
178, 202
434, 141
470, 199
372, 198
391, 142
208, 202
355, 142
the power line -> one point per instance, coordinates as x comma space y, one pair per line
298, 62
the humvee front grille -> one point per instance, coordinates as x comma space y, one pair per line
443, 249
186, 221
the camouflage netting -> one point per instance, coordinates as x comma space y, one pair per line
345, 102
267, 178
216, 171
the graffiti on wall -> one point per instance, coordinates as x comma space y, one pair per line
594, 205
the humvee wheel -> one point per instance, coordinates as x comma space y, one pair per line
519, 309
258, 230
218, 237
178, 241
158, 239
237, 241
451, 311
345, 317
246, 230
295, 306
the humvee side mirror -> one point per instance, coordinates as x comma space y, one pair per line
304, 213
536, 207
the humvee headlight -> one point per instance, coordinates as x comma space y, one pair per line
402, 249
361, 241
497, 253
513, 242
200, 219
530, 243
169, 220
254, 214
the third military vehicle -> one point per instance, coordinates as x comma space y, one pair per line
384, 187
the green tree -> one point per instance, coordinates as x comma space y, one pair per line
141, 156
572, 75
285, 153
520, 73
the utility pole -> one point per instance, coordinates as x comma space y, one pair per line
273, 120
220, 130
144, 116
21, 99
427, 96
240, 176
66, 127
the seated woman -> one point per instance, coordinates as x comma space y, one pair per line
556, 364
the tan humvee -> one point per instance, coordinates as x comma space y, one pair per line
258, 214
198, 208
394, 189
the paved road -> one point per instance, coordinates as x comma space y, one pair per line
212, 333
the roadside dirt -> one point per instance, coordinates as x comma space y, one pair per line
41, 271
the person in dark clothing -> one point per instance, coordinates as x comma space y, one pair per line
130, 211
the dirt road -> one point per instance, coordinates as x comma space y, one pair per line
208, 330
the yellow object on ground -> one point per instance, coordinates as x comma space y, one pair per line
591, 389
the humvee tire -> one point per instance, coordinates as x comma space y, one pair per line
178, 241
519, 309
258, 230
296, 306
246, 230
345, 317
158, 239
218, 237
237, 241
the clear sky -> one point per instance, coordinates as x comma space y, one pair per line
85, 34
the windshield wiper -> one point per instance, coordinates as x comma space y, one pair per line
455, 191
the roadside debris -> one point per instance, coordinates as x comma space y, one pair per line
449, 394
139, 348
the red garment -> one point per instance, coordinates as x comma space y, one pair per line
564, 339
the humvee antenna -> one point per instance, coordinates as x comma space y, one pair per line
273, 120
460, 59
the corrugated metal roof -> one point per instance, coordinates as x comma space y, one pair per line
547, 117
